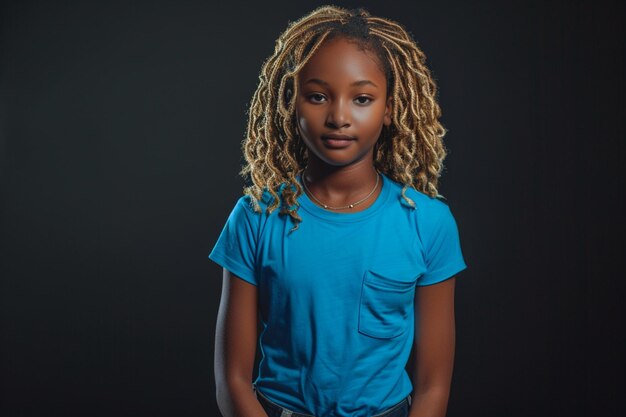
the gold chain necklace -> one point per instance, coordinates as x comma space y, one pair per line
344, 207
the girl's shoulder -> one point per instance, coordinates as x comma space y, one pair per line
422, 201
258, 205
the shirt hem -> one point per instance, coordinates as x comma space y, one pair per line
234, 268
441, 275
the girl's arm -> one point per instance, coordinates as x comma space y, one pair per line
235, 348
433, 349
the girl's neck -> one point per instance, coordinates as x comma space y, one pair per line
339, 186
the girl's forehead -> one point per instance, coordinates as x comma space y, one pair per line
340, 59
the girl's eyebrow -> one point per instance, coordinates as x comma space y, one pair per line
356, 83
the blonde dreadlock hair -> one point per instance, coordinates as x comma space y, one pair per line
410, 151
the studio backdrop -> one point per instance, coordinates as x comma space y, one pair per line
120, 133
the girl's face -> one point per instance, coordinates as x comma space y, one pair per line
342, 92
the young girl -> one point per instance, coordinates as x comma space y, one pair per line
341, 245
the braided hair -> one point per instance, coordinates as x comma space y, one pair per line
409, 151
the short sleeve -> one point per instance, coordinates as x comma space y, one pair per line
235, 248
444, 257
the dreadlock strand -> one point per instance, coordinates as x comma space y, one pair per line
410, 150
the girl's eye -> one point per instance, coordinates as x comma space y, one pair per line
363, 100
316, 98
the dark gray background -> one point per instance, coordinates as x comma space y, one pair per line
120, 132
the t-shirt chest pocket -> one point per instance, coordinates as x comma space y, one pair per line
386, 304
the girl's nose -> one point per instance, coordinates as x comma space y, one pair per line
338, 115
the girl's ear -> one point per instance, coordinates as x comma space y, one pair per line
388, 109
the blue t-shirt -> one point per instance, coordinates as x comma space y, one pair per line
336, 296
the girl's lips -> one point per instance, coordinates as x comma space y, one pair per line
338, 136
336, 143
337, 140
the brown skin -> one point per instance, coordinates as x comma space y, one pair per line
236, 338
328, 102
432, 358
338, 177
